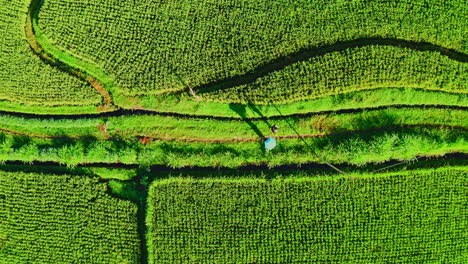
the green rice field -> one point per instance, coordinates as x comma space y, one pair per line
222, 131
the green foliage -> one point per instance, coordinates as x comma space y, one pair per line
378, 97
407, 217
357, 148
49, 218
115, 173
126, 128
357, 69
168, 128
151, 47
25, 79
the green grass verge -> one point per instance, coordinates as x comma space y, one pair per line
174, 128
115, 173
408, 217
357, 148
50, 218
44, 109
317, 125
28, 84
71, 60
184, 103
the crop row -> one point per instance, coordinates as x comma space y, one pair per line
154, 46
24, 78
356, 69
405, 217
49, 218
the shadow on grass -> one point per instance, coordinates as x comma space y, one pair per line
241, 110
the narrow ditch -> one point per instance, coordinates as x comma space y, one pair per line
136, 112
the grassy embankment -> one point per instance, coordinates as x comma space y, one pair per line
374, 136
28, 84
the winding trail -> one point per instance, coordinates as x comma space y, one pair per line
249, 77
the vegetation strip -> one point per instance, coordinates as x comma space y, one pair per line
354, 148
232, 140
168, 128
50, 59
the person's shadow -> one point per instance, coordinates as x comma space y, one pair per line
242, 112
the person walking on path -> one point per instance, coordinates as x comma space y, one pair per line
274, 129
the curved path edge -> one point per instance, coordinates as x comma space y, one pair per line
47, 57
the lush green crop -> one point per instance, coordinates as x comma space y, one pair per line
407, 217
355, 69
47, 218
25, 79
149, 47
